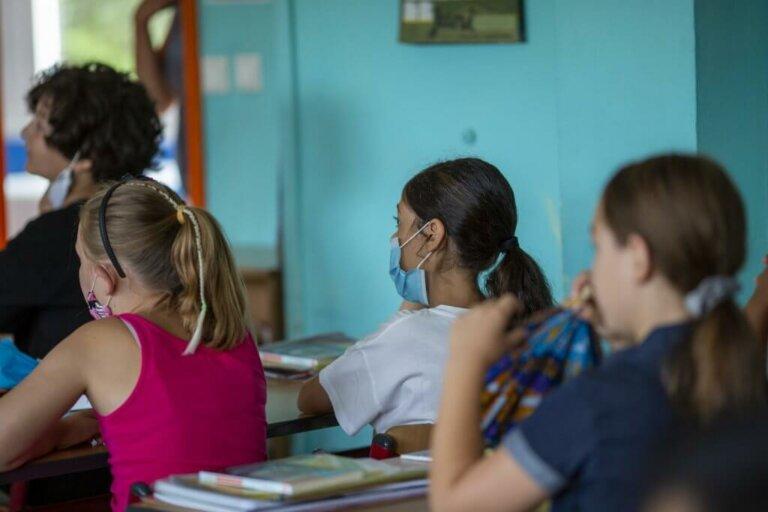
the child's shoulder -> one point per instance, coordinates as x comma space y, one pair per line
107, 333
407, 326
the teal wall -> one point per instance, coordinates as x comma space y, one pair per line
248, 134
626, 88
374, 111
349, 114
596, 83
732, 80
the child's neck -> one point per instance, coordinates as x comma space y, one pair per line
83, 188
658, 307
453, 288
149, 307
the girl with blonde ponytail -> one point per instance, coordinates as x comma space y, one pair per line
670, 237
169, 365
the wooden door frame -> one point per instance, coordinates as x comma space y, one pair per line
3, 227
193, 102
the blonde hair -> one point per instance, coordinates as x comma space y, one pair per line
155, 235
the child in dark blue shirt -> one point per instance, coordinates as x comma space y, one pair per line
669, 235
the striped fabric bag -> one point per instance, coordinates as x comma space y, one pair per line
558, 348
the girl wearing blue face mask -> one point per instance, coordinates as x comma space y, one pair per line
455, 245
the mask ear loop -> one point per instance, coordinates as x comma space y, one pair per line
93, 287
415, 235
418, 267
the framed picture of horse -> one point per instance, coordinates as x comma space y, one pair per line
461, 21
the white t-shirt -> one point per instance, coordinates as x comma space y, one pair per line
393, 377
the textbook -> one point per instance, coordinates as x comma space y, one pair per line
305, 476
197, 495
185, 491
306, 354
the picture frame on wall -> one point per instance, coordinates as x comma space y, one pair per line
461, 21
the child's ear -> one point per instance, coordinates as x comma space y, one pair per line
436, 235
640, 254
108, 276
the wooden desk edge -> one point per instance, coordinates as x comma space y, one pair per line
153, 505
86, 459
56, 464
300, 425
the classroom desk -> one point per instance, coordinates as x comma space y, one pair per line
283, 419
402, 505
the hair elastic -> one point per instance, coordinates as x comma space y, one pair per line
710, 293
510, 243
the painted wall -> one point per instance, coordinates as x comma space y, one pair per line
732, 83
246, 132
592, 87
372, 112
596, 83
626, 87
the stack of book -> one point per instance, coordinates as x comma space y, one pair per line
300, 359
303, 482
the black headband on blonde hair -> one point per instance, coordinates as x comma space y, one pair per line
181, 211
103, 223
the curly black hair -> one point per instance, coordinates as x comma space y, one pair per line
102, 113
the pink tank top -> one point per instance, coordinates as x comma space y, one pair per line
186, 413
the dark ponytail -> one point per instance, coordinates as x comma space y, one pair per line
477, 206
692, 218
519, 274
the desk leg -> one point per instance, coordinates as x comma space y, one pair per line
18, 496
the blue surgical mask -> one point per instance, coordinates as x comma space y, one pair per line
410, 284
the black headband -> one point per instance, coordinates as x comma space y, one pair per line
103, 220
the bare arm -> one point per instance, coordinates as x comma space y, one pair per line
461, 478
313, 399
148, 60
30, 414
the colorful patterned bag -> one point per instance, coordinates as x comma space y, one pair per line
558, 348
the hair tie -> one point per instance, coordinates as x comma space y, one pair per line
180, 214
710, 293
510, 243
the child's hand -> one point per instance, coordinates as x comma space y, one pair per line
757, 307
77, 428
582, 285
760, 295
482, 336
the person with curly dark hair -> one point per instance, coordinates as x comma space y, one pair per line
91, 124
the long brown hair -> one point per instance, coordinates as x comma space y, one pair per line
692, 217
153, 240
